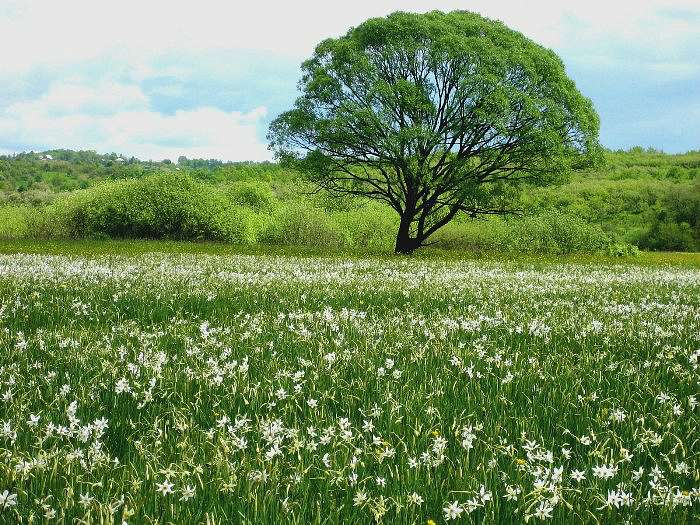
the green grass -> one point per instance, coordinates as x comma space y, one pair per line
94, 248
326, 388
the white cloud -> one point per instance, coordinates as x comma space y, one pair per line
200, 133
66, 98
50, 32
113, 117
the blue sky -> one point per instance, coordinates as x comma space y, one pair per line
157, 80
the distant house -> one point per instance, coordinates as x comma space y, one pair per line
119, 159
46, 157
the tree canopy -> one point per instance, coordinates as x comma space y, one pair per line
435, 114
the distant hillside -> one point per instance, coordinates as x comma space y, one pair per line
643, 197
35, 178
639, 197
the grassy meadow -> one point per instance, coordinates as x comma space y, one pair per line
286, 368
184, 383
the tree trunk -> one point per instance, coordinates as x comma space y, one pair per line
405, 244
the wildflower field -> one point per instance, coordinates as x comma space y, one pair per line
180, 388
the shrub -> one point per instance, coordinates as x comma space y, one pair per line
479, 235
157, 207
550, 233
252, 194
622, 249
556, 233
667, 235
370, 226
298, 224
14, 222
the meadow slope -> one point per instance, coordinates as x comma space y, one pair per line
203, 388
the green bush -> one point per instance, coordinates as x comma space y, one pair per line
622, 249
555, 233
552, 233
666, 235
160, 206
252, 194
15, 222
478, 235
370, 226
298, 224
641, 198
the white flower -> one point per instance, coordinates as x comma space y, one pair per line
122, 386
604, 471
682, 498
415, 499
682, 468
165, 488
468, 437
618, 499
578, 475
657, 473
359, 499
625, 455
100, 425
512, 493
273, 452
187, 493
452, 511
663, 397
544, 510
618, 415
485, 495
281, 393
7, 500
596, 326
387, 452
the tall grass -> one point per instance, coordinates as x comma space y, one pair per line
207, 389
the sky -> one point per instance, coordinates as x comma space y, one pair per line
158, 79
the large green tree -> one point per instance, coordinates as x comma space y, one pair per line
435, 114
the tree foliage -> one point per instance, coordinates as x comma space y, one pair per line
435, 114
